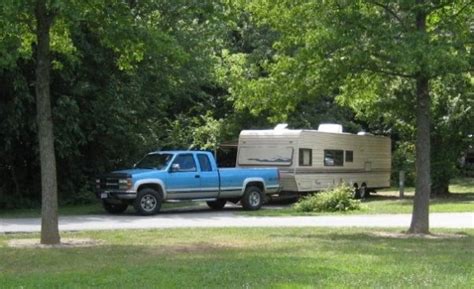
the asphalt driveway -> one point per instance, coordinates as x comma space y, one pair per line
229, 218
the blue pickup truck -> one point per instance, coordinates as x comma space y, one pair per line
184, 175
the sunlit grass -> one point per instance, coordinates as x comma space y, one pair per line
88, 209
242, 258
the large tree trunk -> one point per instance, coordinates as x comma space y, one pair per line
49, 201
420, 216
441, 189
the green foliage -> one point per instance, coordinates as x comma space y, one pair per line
133, 76
124, 72
403, 159
332, 200
367, 55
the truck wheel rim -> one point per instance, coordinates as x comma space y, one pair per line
148, 203
254, 199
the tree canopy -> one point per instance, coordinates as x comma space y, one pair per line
132, 76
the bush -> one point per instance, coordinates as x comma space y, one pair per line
336, 199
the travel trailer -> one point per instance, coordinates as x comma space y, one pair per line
315, 160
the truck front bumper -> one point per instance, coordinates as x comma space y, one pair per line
117, 195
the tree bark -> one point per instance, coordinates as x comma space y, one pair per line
49, 192
420, 217
441, 189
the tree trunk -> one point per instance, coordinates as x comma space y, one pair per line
49, 191
441, 189
420, 217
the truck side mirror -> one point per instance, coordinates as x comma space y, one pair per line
174, 168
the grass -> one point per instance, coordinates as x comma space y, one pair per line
388, 202
87, 209
242, 258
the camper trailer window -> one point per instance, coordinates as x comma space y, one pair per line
333, 158
306, 157
265, 155
349, 156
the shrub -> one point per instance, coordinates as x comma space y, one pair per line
336, 199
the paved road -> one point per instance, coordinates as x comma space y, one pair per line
229, 218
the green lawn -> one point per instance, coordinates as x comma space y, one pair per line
388, 202
89, 209
242, 258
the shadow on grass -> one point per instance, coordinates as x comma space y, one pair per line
451, 198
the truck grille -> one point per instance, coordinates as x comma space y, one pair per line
109, 182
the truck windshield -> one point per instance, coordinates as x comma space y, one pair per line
154, 161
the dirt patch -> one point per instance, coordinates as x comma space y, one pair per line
201, 247
65, 243
402, 235
193, 248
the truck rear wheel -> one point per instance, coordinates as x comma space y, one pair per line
148, 202
252, 199
217, 204
114, 208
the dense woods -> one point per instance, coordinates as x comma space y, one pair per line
132, 76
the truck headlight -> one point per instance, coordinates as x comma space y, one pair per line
125, 184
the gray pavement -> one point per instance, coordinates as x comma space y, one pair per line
229, 218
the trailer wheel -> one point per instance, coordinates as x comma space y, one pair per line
252, 199
363, 191
356, 192
148, 202
114, 208
217, 204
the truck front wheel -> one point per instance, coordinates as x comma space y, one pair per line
148, 202
114, 208
252, 199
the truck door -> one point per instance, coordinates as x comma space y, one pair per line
209, 177
184, 180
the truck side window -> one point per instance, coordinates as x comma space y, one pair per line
204, 163
306, 157
186, 163
349, 156
333, 158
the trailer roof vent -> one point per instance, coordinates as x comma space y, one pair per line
364, 133
330, 127
281, 126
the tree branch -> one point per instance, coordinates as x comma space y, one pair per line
469, 3
439, 6
390, 73
391, 12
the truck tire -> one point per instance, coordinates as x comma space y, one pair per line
217, 204
114, 208
252, 199
148, 202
